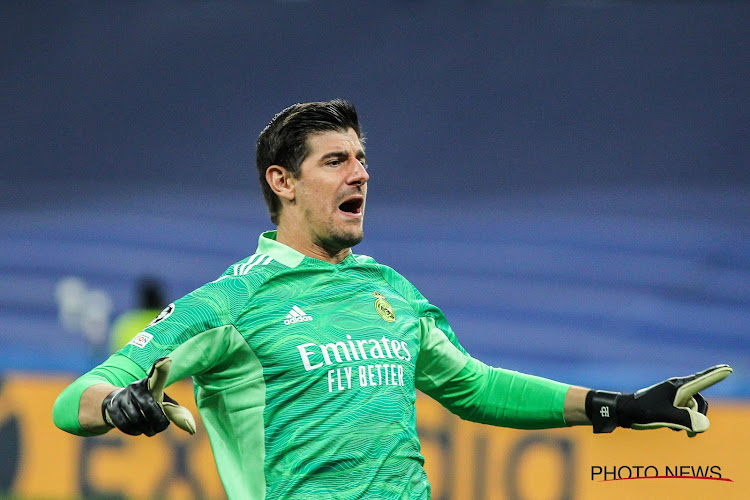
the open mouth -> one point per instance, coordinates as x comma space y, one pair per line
352, 206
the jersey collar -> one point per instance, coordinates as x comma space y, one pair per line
279, 252
287, 255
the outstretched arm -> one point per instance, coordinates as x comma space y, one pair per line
479, 393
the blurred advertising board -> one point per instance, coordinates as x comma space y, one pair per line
463, 460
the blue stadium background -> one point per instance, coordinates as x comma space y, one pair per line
567, 180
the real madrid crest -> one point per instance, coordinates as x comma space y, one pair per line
384, 308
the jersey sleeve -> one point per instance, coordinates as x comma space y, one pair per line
471, 389
117, 370
480, 393
196, 331
206, 309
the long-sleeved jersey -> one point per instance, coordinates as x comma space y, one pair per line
305, 375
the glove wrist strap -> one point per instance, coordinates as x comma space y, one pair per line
601, 408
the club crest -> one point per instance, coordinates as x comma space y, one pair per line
384, 308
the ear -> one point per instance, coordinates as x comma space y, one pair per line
281, 181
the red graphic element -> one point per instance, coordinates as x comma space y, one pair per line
668, 477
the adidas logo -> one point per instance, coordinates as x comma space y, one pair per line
296, 315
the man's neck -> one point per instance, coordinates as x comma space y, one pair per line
299, 241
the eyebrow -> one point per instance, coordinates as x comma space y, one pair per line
343, 154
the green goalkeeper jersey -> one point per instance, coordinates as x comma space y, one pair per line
305, 375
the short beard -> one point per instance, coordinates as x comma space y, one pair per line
337, 241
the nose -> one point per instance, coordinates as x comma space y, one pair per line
358, 173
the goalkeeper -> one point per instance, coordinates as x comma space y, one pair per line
306, 357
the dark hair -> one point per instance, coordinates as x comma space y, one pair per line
284, 141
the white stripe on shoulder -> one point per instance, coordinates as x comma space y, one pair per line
262, 260
253, 258
242, 268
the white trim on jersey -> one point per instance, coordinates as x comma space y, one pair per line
252, 261
242, 268
258, 259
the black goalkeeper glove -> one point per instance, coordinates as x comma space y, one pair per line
143, 408
674, 403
